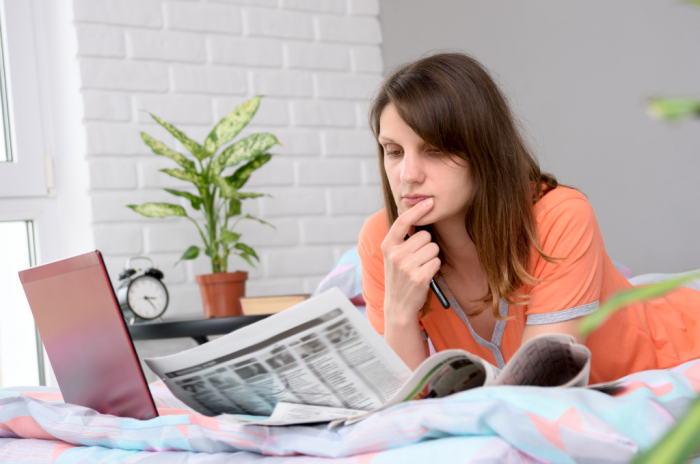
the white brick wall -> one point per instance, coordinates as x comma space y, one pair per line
191, 62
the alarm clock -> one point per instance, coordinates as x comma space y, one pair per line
142, 296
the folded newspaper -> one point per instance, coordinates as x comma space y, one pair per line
321, 361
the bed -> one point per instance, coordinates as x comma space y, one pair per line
492, 424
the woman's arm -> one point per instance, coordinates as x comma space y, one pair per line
406, 340
569, 327
570, 286
409, 265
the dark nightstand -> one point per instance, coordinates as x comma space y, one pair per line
198, 329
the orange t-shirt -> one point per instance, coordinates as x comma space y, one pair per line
654, 335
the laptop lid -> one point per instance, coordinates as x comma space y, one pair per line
86, 337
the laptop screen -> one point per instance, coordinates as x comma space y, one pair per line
86, 338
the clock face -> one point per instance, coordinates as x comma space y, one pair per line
147, 297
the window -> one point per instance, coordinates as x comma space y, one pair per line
22, 152
5, 145
19, 363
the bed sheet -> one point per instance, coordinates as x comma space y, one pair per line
494, 424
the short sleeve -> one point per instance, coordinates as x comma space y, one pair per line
372, 287
570, 287
372, 263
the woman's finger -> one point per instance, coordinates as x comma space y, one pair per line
425, 254
417, 241
403, 224
431, 268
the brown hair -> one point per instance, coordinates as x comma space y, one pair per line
453, 104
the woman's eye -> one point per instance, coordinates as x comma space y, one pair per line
393, 151
434, 151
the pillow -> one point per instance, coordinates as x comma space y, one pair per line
347, 276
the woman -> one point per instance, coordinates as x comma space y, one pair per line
517, 254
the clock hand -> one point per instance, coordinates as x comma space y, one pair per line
149, 300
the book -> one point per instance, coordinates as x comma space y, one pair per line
253, 306
321, 361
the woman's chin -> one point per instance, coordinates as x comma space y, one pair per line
425, 220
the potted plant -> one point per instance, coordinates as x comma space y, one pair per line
218, 197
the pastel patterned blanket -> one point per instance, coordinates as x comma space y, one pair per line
496, 424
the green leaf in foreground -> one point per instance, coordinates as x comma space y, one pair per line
673, 109
678, 443
158, 210
622, 299
191, 253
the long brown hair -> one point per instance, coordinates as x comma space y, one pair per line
453, 104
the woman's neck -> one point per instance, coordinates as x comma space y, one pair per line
463, 273
457, 247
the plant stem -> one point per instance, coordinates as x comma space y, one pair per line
224, 260
210, 215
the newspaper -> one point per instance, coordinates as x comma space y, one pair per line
320, 352
321, 361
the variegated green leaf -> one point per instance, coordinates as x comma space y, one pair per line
246, 256
234, 208
246, 195
228, 237
231, 124
242, 174
245, 149
627, 297
159, 148
158, 210
184, 175
226, 189
246, 249
673, 109
194, 199
193, 147
261, 221
191, 253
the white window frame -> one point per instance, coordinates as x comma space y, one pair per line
46, 125
25, 175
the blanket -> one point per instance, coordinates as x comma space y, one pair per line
493, 424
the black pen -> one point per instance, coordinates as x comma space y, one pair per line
434, 285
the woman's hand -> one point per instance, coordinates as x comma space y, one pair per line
408, 268
409, 265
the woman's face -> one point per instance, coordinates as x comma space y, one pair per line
418, 171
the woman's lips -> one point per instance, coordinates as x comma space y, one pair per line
413, 200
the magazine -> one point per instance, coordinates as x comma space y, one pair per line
321, 361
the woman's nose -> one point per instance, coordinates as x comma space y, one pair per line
412, 169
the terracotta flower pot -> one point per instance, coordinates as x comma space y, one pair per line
220, 293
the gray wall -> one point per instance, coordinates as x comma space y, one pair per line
577, 73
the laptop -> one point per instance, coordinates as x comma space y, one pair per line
86, 337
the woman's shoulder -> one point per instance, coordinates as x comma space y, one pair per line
561, 200
373, 232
